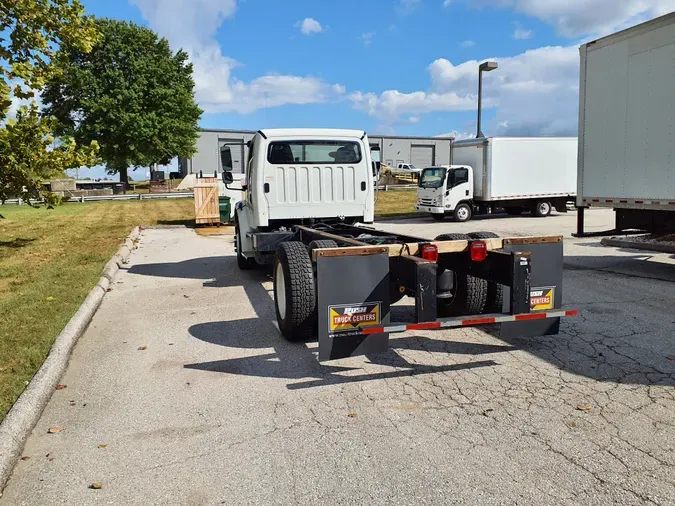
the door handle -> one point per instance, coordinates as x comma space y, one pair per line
363, 186
266, 187
467, 193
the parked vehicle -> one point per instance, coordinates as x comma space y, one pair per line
626, 129
516, 174
408, 168
336, 278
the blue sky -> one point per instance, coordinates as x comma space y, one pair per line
405, 67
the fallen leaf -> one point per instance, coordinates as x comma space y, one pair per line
124, 342
352, 415
96, 485
186, 296
54, 430
25, 458
671, 357
49, 299
52, 459
102, 446
170, 344
61, 387
109, 290
584, 407
142, 348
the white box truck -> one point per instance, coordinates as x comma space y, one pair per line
627, 127
516, 174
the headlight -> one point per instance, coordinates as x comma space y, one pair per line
438, 200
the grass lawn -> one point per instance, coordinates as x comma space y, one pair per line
395, 203
51, 259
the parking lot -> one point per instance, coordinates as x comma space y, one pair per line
182, 391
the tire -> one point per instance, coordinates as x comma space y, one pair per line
541, 209
294, 291
470, 292
437, 217
494, 302
245, 264
462, 213
321, 243
514, 211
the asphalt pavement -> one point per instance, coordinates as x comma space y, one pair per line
182, 391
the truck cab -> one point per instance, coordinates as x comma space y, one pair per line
299, 177
446, 189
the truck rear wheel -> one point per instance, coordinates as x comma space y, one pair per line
494, 301
541, 209
294, 291
469, 294
437, 216
320, 244
462, 213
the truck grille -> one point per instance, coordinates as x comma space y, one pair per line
427, 202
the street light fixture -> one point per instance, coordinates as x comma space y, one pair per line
487, 66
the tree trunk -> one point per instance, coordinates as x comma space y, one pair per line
124, 177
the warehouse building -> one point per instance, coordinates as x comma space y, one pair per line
218, 147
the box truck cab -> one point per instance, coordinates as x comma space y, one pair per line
446, 189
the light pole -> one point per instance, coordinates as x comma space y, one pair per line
487, 66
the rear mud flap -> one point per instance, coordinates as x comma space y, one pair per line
352, 294
545, 289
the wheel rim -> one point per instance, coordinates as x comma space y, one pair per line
544, 208
280, 286
462, 213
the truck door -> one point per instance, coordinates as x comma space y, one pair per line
459, 186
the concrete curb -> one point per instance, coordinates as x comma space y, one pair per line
19, 422
644, 246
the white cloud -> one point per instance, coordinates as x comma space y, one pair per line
308, 26
405, 7
447, 3
414, 119
339, 89
575, 18
367, 38
533, 93
467, 43
521, 34
192, 25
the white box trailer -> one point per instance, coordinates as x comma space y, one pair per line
516, 174
627, 126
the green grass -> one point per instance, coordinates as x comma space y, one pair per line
49, 261
395, 203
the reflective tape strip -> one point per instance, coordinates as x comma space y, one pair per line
590, 202
469, 322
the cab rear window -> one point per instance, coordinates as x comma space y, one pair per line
285, 152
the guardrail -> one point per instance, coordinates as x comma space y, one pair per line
394, 187
97, 198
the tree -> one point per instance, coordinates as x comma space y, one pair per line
131, 94
29, 32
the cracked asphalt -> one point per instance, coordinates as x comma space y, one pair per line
219, 409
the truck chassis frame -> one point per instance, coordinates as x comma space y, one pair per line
356, 278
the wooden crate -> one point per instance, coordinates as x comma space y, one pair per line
206, 201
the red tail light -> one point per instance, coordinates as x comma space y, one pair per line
478, 250
430, 252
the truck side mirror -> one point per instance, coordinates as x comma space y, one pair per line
227, 177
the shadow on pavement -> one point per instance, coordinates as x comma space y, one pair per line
296, 361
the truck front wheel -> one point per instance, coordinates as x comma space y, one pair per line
294, 291
462, 213
541, 208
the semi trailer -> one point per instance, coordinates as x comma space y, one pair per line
309, 197
627, 129
516, 174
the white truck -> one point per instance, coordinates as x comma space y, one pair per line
516, 174
627, 128
306, 189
